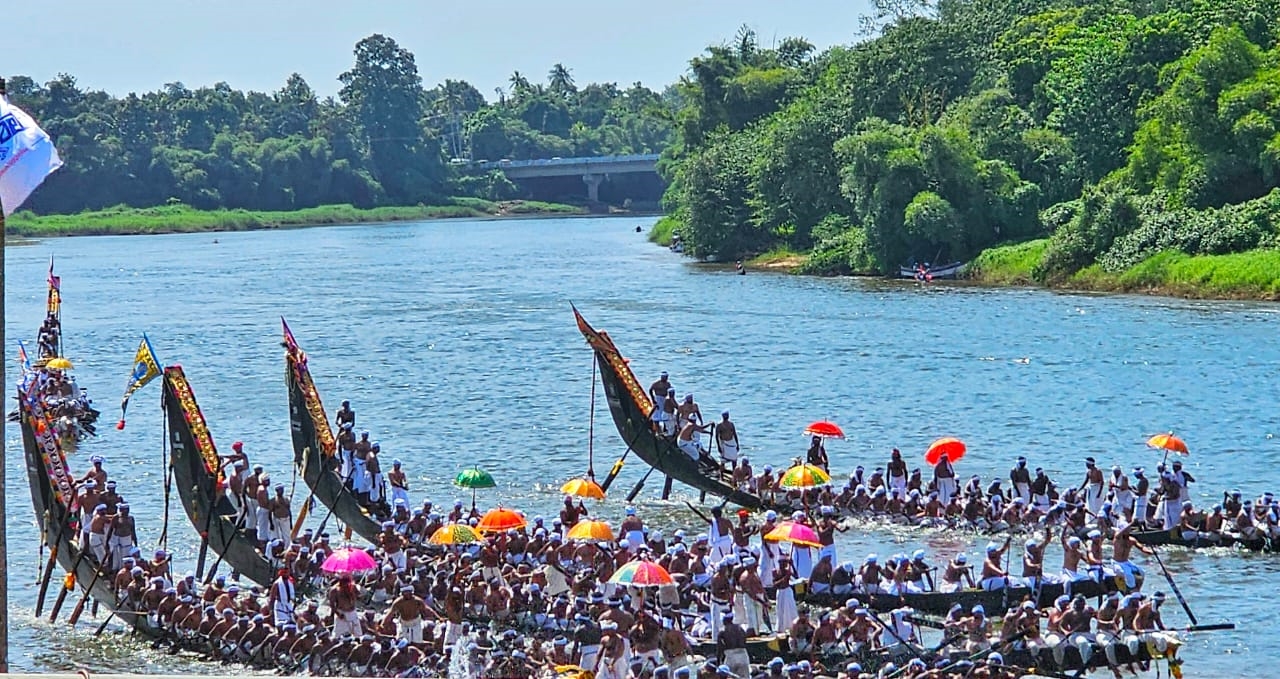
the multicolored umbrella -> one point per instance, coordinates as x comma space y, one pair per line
804, 476
641, 574
795, 533
454, 534
825, 429
474, 478
591, 530
501, 519
953, 448
349, 560
583, 487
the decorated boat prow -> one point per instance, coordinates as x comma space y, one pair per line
631, 408
197, 471
315, 449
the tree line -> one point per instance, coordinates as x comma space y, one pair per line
384, 140
1114, 128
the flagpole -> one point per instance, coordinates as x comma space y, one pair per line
4, 532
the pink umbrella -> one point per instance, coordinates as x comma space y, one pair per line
348, 560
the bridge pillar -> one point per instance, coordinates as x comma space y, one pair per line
593, 186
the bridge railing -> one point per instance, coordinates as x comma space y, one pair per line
552, 162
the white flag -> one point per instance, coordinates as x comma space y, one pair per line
27, 156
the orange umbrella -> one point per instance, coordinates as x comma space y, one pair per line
583, 487
499, 520
795, 533
825, 429
953, 448
591, 530
1169, 442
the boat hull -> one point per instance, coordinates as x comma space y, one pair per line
197, 474
949, 271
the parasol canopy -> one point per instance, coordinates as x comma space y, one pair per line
583, 487
348, 560
59, 363
501, 519
591, 530
804, 476
474, 478
953, 448
642, 574
454, 534
1169, 442
795, 533
825, 429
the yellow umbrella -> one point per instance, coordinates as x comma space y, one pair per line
454, 534
591, 530
59, 363
583, 487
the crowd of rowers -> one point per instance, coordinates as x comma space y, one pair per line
524, 602
1030, 498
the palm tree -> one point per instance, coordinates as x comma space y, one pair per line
561, 80
519, 84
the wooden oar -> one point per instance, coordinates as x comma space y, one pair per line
1172, 585
204, 537
613, 472
68, 582
636, 491
97, 573
48, 567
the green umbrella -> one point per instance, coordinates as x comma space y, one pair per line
474, 478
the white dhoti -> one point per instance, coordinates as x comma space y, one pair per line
994, 583
729, 450
718, 609
946, 490
346, 622
898, 483
802, 558
359, 477
411, 630
262, 523
1022, 490
281, 529
1093, 497
785, 608
1140, 508
1124, 501
398, 494
690, 448
120, 547
1169, 512
400, 561
740, 607
738, 661
588, 656
1130, 572
98, 547
452, 632
375, 486
1040, 502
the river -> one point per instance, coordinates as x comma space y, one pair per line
455, 342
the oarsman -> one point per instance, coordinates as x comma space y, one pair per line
721, 597
993, 575
399, 483
944, 477
570, 514
1182, 478
1213, 525
392, 544
1121, 546
409, 609
1077, 626
1121, 492
374, 469
123, 533
346, 450
1040, 490
897, 470
688, 439
99, 534
1072, 555
958, 571
687, 411
587, 636
727, 439
280, 598
645, 636
263, 511
1020, 477
755, 599
1140, 493
345, 415
281, 516
343, 597
89, 502
1092, 486
1033, 559
358, 456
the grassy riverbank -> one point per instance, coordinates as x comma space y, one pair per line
1247, 275
183, 219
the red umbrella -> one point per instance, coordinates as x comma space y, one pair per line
951, 447
824, 428
348, 560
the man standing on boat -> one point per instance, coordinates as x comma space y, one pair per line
399, 483
357, 462
1092, 486
727, 439
658, 394
658, 390
345, 415
123, 534
687, 411
374, 470
281, 516
897, 470
262, 515
688, 440
1020, 477
944, 476
280, 598
343, 597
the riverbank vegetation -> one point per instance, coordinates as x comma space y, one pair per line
183, 218
385, 141
1112, 135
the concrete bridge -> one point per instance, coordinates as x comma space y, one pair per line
592, 170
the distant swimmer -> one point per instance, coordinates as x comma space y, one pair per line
742, 271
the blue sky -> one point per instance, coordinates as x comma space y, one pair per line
138, 45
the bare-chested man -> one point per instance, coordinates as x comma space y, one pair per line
262, 510
399, 482
123, 534
342, 601
727, 439
281, 516
410, 609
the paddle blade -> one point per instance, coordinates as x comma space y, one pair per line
1212, 628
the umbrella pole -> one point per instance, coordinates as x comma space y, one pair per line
473, 498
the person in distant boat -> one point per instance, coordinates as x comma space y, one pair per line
374, 470
1020, 477
669, 407
687, 439
399, 483
262, 516
687, 410
658, 390
345, 415
897, 470
817, 455
727, 439
281, 516
357, 479
944, 476
740, 269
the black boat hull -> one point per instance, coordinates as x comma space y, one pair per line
314, 447
197, 474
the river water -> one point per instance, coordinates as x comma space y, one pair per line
455, 342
